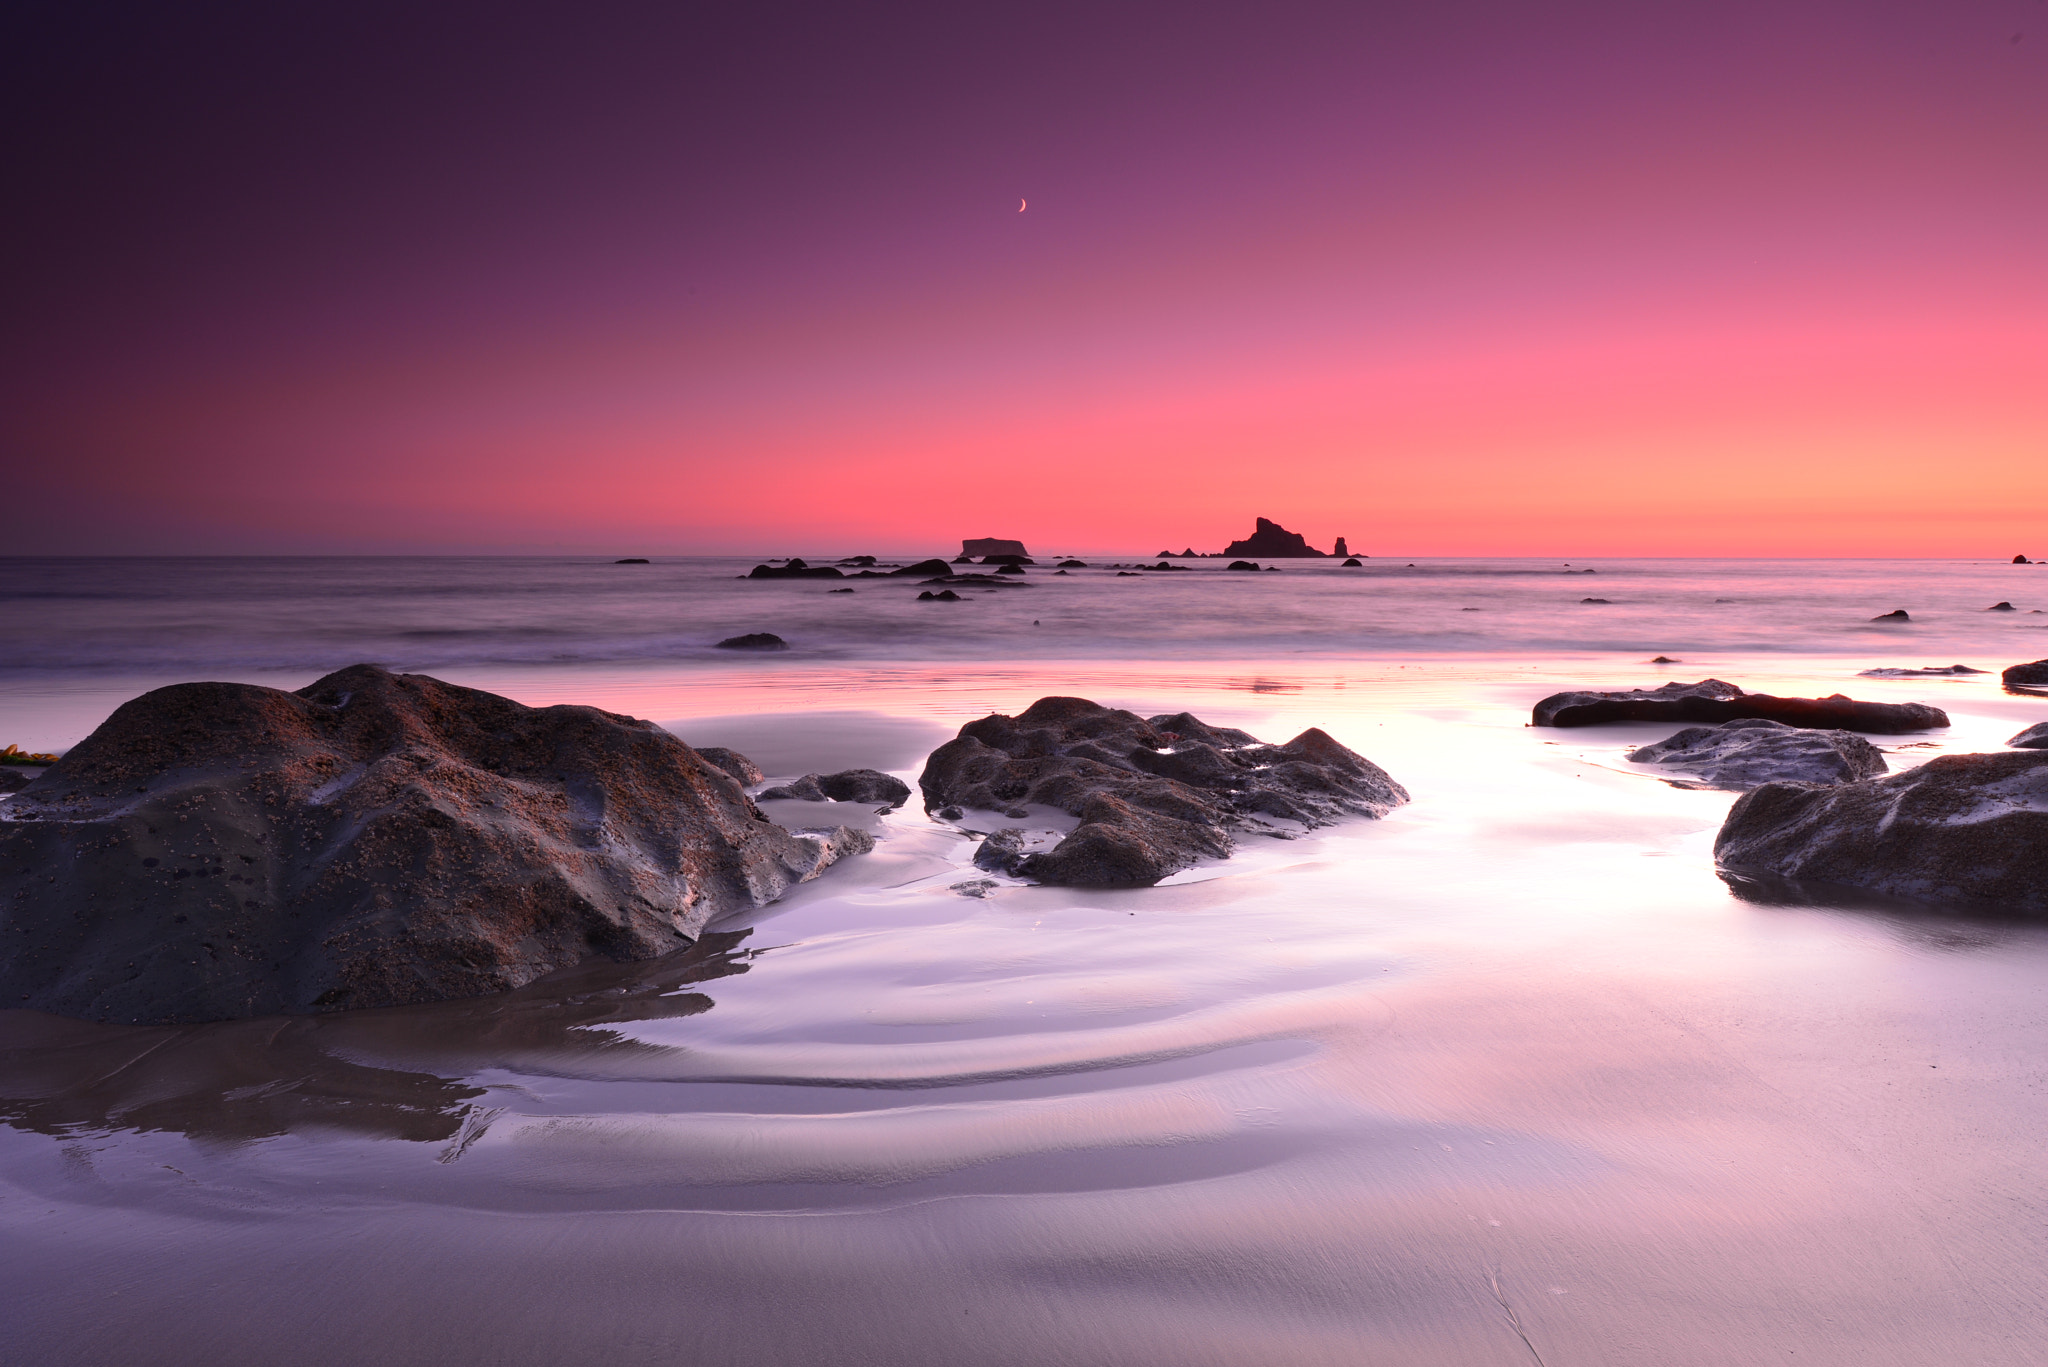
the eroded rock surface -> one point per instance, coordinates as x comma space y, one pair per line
1154, 795
2035, 737
1960, 828
1712, 701
1752, 751
221, 850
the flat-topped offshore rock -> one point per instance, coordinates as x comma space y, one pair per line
1711, 701
221, 850
1154, 795
1753, 751
978, 546
1960, 828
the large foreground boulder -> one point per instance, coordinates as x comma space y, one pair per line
220, 850
1960, 828
1712, 701
1154, 795
1752, 751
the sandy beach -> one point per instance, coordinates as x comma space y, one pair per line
1511, 1075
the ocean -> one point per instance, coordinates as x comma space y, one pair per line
1510, 1076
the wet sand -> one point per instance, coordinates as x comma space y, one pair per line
1509, 1077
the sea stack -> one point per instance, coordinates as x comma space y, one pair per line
1274, 542
981, 547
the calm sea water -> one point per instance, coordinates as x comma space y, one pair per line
1509, 1077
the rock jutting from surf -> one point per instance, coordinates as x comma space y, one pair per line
1154, 795
1752, 751
1959, 828
215, 851
1712, 701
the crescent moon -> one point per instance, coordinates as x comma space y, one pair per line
1020, 205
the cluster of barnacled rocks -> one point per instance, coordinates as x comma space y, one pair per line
1154, 795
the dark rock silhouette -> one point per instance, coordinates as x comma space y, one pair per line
983, 546
1242, 565
1273, 541
1011, 569
632, 560
1665, 660
1597, 600
1895, 615
1959, 828
839, 590
925, 567
2033, 675
1353, 564
1752, 751
963, 560
863, 561
221, 850
1154, 796
942, 596
2001, 607
1340, 548
794, 569
753, 640
1712, 701
1171, 569
2021, 560
848, 785
1073, 564
1927, 672
2035, 737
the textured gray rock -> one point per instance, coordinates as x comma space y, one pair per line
222, 850
848, 785
732, 762
1711, 701
1001, 852
1960, 828
1753, 751
1154, 796
2035, 737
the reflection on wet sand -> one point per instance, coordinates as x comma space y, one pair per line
237, 1081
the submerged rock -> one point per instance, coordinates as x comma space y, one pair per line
2035, 737
848, 785
1154, 796
1073, 564
1354, 563
632, 560
794, 569
1752, 751
2001, 607
1242, 565
1895, 615
753, 640
1924, 672
1273, 541
220, 850
942, 596
1960, 828
1714, 701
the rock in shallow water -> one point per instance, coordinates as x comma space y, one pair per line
2035, 737
1960, 828
1154, 796
222, 850
1713, 700
2033, 675
1752, 751
848, 785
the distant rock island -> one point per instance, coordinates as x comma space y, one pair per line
992, 545
1274, 542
